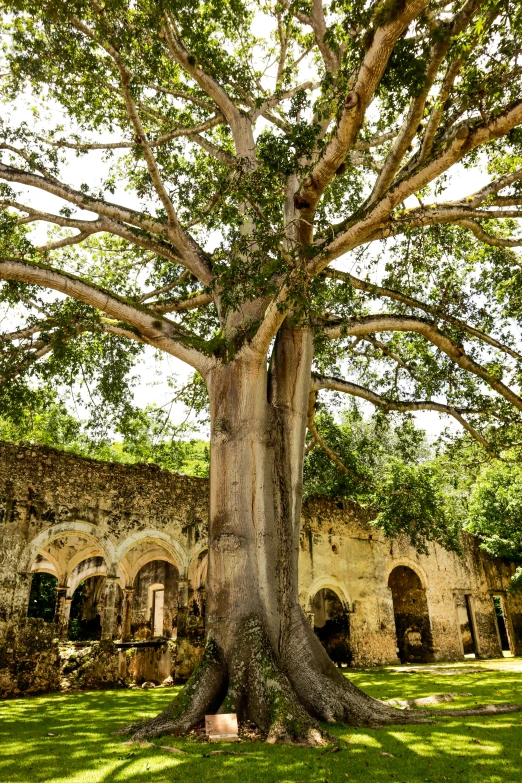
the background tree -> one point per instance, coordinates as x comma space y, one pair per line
391, 467
244, 148
495, 511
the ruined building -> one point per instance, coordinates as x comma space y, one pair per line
103, 571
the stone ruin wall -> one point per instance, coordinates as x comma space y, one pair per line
74, 518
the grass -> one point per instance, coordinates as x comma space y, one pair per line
474, 750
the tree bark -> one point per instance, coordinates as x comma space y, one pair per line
262, 658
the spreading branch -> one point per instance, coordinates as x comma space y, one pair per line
157, 330
417, 304
400, 323
402, 406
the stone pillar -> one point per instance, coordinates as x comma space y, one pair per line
66, 617
183, 593
127, 614
108, 620
21, 592
62, 611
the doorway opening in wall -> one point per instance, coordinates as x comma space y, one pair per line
42, 599
466, 625
158, 603
502, 625
332, 626
86, 609
412, 619
154, 609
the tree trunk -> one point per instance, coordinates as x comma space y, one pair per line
262, 658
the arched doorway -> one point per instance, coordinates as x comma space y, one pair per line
42, 598
155, 601
332, 625
412, 620
85, 619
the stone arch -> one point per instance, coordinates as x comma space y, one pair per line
198, 566
83, 554
85, 529
413, 565
411, 613
48, 565
197, 550
148, 557
87, 594
175, 553
330, 583
74, 580
153, 609
329, 612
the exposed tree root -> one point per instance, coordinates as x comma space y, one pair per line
328, 695
482, 709
201, 695
324, 690
266, 695
286, 702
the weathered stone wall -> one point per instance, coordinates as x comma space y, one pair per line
76, 518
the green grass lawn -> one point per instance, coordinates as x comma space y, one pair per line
483, 750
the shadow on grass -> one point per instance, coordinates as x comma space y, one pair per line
83, 750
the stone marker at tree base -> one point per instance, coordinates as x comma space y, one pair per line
222, 727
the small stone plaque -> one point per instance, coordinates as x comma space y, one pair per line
221, 728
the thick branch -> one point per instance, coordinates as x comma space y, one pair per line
183, 251
375, 220
158, 331
411, 123
397, 296
240, 125
488, 239
337, 384
438, 110
355, 106
394, 323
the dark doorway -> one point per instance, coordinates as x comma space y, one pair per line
502, 625
86, 608
412, 620
466, 624
332, 625
42, 599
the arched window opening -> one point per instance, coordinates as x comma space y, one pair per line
42, 598
412, 620
332, 625
85, 621
155, 601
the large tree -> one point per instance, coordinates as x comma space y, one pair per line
245, 147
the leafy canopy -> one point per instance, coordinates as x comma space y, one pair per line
193, 177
